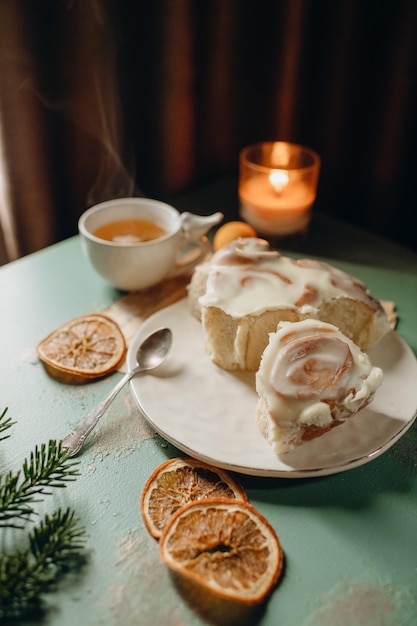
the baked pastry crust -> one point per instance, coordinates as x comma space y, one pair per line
311, 379
247, 289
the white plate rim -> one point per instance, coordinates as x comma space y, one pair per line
178, 313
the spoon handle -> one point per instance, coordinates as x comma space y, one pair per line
75, 440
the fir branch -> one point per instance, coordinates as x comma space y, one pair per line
25, 575
48, 467
58, 538
5, 424
54, 544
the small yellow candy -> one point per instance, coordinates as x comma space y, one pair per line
231, 231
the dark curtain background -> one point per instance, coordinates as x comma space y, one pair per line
100, 99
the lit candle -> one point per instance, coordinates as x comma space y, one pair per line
270, 210
277, 200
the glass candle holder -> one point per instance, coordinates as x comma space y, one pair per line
277, 189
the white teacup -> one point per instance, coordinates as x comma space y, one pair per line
134, 265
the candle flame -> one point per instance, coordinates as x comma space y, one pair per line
279, 180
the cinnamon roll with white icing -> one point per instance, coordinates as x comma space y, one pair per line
246, 289
311, 378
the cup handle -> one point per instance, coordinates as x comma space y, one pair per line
195, 245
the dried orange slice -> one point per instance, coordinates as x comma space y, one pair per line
230, 231
179, 481
225, 546
87, 347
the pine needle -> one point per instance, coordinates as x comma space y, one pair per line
5, 424
48, 467
55, 543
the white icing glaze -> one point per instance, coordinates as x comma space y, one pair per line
312, 375
247, 277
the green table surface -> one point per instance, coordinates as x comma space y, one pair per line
350, 539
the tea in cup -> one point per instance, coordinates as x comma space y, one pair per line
135, 243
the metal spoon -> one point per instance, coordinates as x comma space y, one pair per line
150, 354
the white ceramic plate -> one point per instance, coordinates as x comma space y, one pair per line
209, 413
